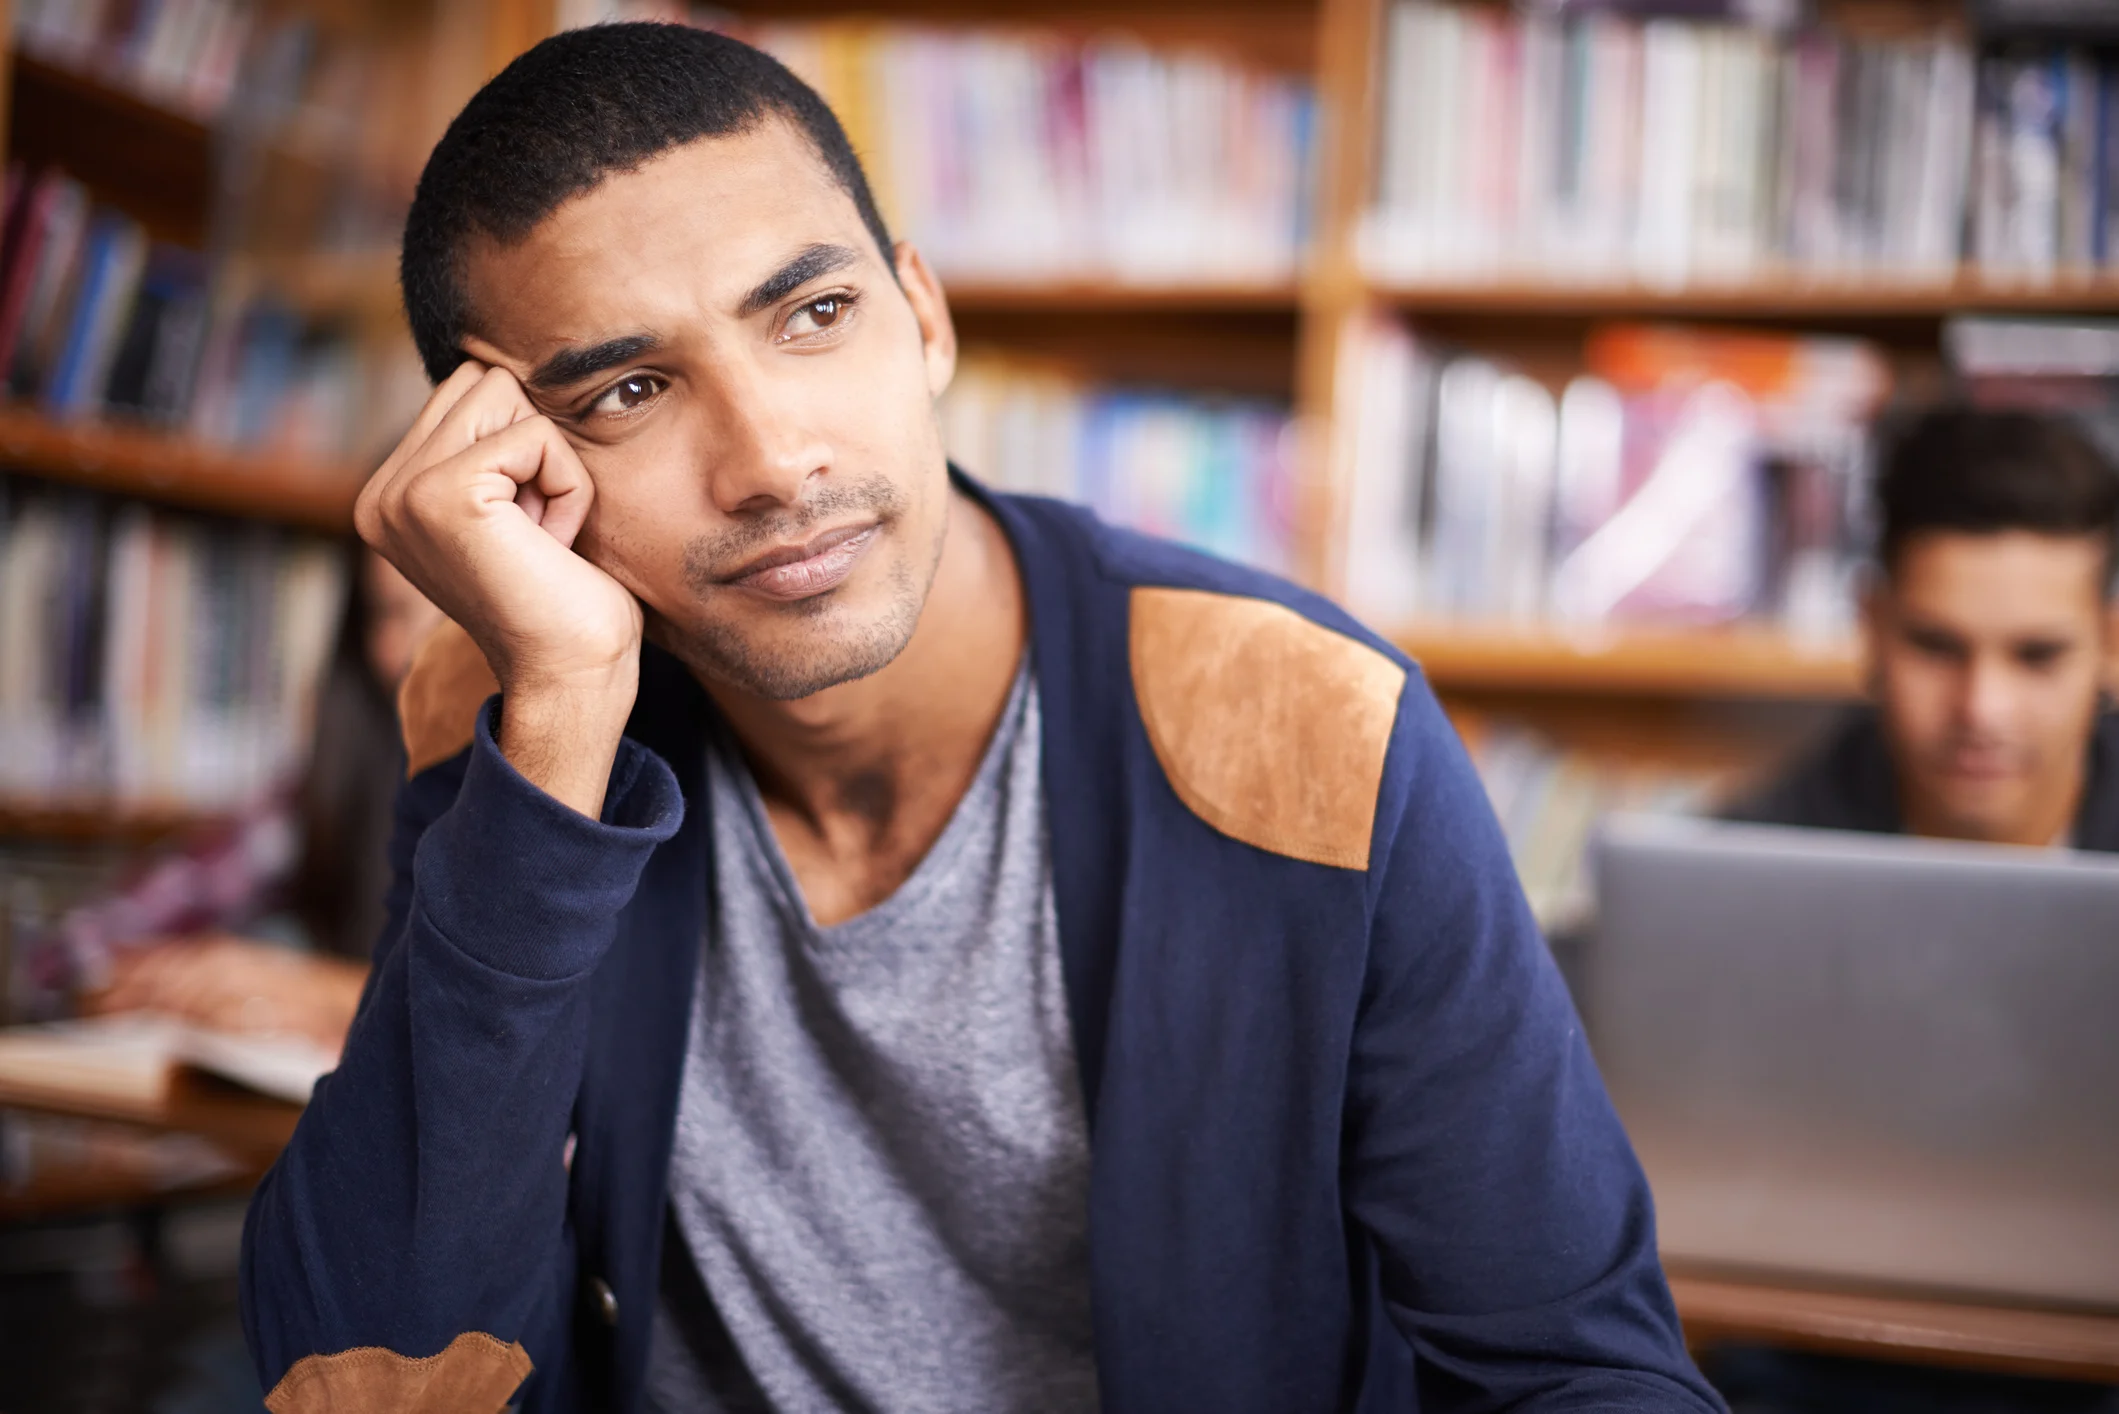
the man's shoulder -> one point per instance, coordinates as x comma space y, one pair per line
1270, 710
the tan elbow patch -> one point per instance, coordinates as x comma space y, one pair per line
474, 1374
437, 706
1271, 728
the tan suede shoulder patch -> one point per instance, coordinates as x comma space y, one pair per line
475, 1374
437, 706
1270, 727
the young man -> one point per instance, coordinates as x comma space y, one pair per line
1992, 643
891, 946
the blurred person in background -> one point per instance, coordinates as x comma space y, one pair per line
240, 939
1991, 637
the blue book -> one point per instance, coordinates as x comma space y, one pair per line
110, 277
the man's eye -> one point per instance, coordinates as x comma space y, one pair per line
817, 315
2040, 656
629, 393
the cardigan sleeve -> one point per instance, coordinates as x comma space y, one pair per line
1513, 1225
394, 1255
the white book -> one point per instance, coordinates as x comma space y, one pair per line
1466, 492
1946, 160
1524, 443
28, 723
1613, 145
1587, 484
1670, 116
1541, 88
1389, 379
1401, 111
130, 1061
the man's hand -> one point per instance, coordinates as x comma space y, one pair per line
479, 507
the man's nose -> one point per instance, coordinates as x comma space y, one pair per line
1990, 692
763, 449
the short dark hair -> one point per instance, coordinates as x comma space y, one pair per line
570, 112
1982, 471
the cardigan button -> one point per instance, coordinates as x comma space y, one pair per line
606, 1300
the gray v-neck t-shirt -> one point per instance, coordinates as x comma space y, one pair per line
879, 1186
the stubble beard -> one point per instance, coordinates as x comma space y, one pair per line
821, 657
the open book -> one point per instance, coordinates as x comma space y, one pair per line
130, 1060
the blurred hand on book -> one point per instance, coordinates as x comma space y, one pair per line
237, 985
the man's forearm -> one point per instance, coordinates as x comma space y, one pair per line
564, 738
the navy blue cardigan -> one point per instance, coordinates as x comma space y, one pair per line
1349, 1150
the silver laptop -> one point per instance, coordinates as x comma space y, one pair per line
1864, 1058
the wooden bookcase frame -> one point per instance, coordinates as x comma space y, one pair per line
1290, 336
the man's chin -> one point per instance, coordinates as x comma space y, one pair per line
1982, 809
788, 661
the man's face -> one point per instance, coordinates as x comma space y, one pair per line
1987, 653
753, 396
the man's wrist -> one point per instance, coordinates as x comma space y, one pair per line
562, 736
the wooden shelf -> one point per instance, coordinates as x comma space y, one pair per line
2077, 1345
177, 470
88, 823
1119, 297
152, 162
361, 283
1754, 663
1793, 296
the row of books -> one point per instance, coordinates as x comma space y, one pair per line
154, 660
1549, 800
1598, 147
2046, 163
1217, 473
1684, 475
96, 319
183, 54
1008, 156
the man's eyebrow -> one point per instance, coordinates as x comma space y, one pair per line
570, 366
819, 259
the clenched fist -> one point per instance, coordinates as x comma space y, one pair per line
479, 507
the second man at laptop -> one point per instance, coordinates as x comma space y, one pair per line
1991, 637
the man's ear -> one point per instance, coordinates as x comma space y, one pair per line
937, 334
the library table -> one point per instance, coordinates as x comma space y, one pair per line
1718, 1308
250, 1126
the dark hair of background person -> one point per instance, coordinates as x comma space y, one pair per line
570, 112
343, 805
1986, 471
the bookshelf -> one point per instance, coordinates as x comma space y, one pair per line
1741, 696
1282, 337
1798, 296
1702, 663
178, 471
93, 824
1115, 297
266, 199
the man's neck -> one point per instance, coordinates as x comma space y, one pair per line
860, 779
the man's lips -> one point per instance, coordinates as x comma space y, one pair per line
799, 571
